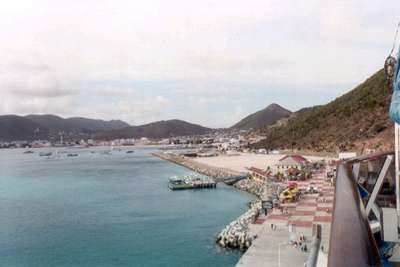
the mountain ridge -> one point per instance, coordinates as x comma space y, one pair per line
47, 126
58, 123
267, 116
13, 127
157, 129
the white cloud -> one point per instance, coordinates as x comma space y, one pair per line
130, 109
23, 80
48, 49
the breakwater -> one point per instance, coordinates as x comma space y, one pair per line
262, 189
236, 234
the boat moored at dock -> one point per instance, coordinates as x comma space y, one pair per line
191, 182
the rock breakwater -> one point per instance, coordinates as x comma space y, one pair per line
236, 234
262, 189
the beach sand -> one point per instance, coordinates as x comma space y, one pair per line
246, 160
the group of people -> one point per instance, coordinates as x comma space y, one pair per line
301, 243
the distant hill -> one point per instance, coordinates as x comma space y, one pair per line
32, 127
159, 129
267, 116
354, 121
14, 127
76, 124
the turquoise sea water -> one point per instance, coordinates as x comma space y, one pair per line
108, 210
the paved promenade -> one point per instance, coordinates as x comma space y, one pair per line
272, 248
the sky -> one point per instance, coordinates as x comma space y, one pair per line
206, 62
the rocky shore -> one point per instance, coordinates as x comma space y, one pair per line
236, 234
259, 188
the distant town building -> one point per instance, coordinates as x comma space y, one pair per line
262, 151
165, 141
144, 141
207, 154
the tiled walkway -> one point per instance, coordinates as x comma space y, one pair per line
312, 208
272, 249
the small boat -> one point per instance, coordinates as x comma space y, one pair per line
178, 184
130, 151
72, 155
29, 152
45, 154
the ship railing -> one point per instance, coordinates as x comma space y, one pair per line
351, 240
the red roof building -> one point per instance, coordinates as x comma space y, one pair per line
259, 173
292, 161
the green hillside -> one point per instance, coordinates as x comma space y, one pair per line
267, 116
354, 121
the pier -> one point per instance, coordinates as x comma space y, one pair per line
191, 183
